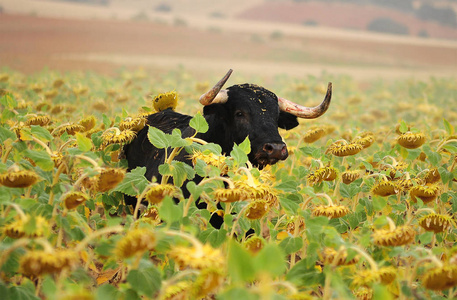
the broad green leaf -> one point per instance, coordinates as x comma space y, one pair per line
403, 127
291, 244
238, 293
246, 145
6, 134
169, 211
41, 158
241, 266
175, 139
349, 190
41, 133
449, 128
8, 101
215, 237
145, 281
158, 138
134, 182
108, 292
106, 121
239, 155
198, 122
303, 275
433, 157
84, 143
21, 293
271, 259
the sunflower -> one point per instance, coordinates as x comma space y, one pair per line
330, 256
211, 159
73, 199
427, 193
36, 263
19, 179
157, 193
109, 178
69, 128
165, 100
399, 236
207, 282
313, 134
230, 195
135, 242
254, 244
411, 140
42, 120
385, 188
178, 291
331, 211
134, 124
17, 229
257, 209
432, 176
436, 223
350, 176
322, 174
365, 139
440, 278
88, 123
344, 149
197, 258
115, 136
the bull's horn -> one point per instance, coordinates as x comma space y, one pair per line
306, 112
216, 95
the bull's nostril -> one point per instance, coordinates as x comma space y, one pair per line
268, 148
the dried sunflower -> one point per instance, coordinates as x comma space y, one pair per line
57, 83
196, 257
411, 140
218, 161
342, 149
157, 193
322, 174
19, 179
17, 229
254, 244
100, 105
436, 223
165, 100
331, 211
134, 124
42, 120
364, 293
230, 195
432, 176
151, 216
38, 262
73, 199
401, 235
313, 134
440, 278
257, 209
350, 176
177, 291
135, 242
109, 178
385, 188
57, 109
115, 136
88, 123
366, 139
70, 129
207, 282
427, 193
330, 256
292, 223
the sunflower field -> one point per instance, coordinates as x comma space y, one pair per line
363, 208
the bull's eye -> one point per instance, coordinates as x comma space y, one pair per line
239, 114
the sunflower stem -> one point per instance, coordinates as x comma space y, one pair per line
39, 142
196, 243
289, 286
391, 223
370, 260
88, 159
96, 234
55, 180
249, 175
442, 144
7, 152
330, 202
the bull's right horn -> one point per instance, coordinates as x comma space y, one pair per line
306, 112
216, 95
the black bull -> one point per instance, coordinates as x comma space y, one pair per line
232, 114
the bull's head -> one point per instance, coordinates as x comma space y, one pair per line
249, 110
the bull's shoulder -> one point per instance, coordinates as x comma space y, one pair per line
168, 120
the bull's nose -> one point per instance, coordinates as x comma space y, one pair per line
276, 150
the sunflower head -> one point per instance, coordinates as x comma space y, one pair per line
135, 242
208, 281
134, 124
18, 228
427, 193
257, 209
338, 258
366, 139
350, 176
401, 235
331, 211
411, 140
38, 262
230, 195
88, 123
19, 179
109, 178
322, 174
211, 159
165, 100
440, 278
432, 176
385, 188
41, 120
73, 199
254, 244
197, 258
115, 136
343, 149
313, 134
70, 129
436, 223
157, 193
178, 291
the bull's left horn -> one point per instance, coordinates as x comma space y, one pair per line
306, 112
215, 95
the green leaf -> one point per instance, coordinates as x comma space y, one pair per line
238, 293
106, 121
175, 139
216, 237
240, 263
403, 127
41, 158
6, 134
271, 259
8, 101
84, 143
108, 292
349, 190
41, 133
239, 155
291, 244
169, 211
449, 128
433, 157
246, 145
303, 275
134, 182
198, 122
145, 281
158, 138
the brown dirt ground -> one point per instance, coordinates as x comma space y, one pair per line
29, 44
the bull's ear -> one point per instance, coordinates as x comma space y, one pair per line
287, 121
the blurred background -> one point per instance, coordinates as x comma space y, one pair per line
365, 39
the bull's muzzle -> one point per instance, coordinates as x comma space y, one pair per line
272, 152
